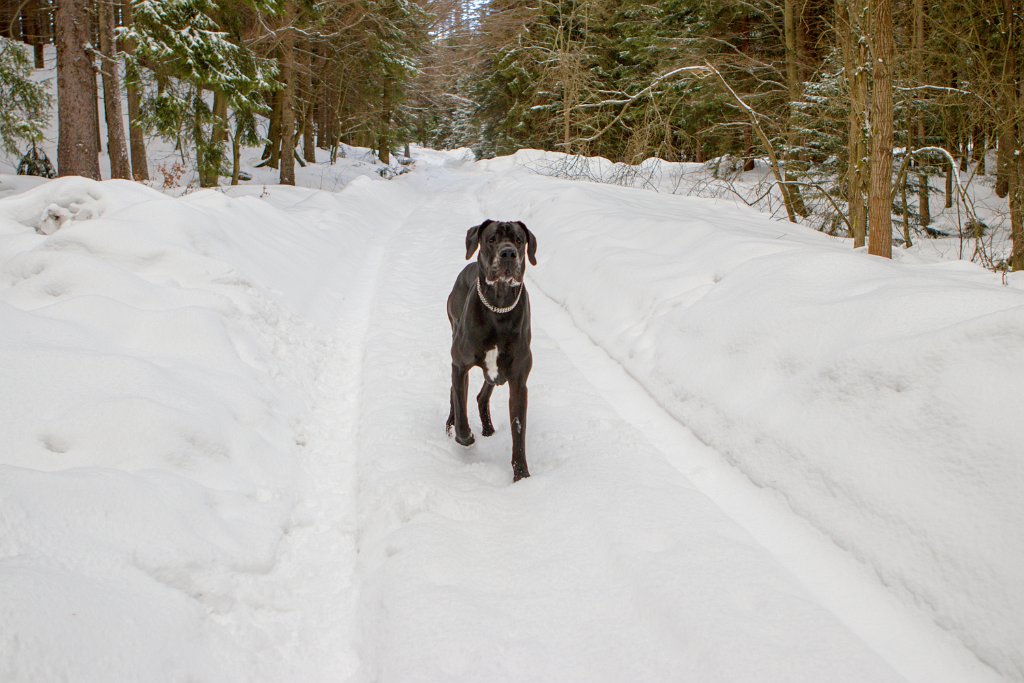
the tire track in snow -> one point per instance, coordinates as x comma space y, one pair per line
318, 556
918, 649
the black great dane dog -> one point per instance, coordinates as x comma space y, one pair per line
489, 311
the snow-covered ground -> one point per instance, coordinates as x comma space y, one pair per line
224, 454
757, 454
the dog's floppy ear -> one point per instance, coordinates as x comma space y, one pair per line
473, 238
531, 243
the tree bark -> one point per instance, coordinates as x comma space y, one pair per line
78, 133
117, 147
236, 153
218, 136
136, 135
287, 78
384, 133
35, 21
855, 63
1004, 150
200, 136
1013, 130
950, 170
879, 196
273, 151
794, 85
309, 81
923, 208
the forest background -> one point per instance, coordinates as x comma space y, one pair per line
865, 113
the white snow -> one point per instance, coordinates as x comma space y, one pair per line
224, 457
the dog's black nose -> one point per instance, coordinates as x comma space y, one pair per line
507, 253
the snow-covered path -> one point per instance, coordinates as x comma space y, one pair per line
607, 565
382, 550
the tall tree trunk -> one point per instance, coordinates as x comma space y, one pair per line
287, 78
77, 146
384, 134
35, 21
855, 62
978, 149
879, 197
218, 136
748, 149
795, 88
1004, 150
923, 208
309, 82
136, 135
308, 134
202, 157
1013, 129
236, 153
950, 170
117, 147
273, 150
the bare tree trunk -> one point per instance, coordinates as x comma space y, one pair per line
850, 15
879, 196
287, 78
1013, 129
309, 79
213, 157
950, 170
924, 210
274, 132
34, 18
117, 148
384, 134
136, 135
77, 146
748, 149
200, 137
906, 211
1004, 151
794, 85
236, 153
978, 149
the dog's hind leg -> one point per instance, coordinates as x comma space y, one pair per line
483, 401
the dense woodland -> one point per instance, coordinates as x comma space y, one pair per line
852, 104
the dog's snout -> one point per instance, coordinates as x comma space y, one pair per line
507, 253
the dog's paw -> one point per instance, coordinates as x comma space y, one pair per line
468, 441
520, 472
488, 430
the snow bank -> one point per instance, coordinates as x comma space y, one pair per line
880, 400
152, 422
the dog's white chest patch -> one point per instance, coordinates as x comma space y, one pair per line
491, 364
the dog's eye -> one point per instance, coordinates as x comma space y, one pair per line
491, 240
519, 240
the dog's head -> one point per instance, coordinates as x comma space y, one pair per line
504, 248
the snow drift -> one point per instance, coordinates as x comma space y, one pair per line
151, 463
880, 400
222, 452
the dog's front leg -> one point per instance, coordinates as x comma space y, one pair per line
460, 387
483, 402
517, 401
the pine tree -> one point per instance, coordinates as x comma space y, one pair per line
24, 104
190, 55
